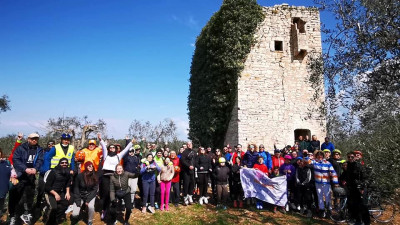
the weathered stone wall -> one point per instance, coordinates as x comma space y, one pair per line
274, 95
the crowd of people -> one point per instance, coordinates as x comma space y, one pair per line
58, 177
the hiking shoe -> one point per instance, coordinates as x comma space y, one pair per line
12, 220
201, 200
70, 209
186, 200
151, 209
26, 218
190, 198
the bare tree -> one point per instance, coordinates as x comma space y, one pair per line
164, 131
80, 128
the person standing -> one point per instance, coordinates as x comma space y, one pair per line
203, 166
315, 144
188, 163
119, 190
132, 165
59, 151
166, 175
27, 158
356, 184
251, 156
328, 145
324, 174
175, 182
148, 169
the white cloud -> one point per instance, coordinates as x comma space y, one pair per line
182, 128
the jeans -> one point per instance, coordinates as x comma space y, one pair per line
149, 188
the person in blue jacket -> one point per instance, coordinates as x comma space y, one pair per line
6, 173
266, 156
251, 156
328, 145
28, 158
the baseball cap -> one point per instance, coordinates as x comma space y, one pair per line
33, 135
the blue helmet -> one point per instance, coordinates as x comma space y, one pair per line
65, 136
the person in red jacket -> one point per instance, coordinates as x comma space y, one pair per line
277, 159
238, 153
261, 166
175, 192
17, 143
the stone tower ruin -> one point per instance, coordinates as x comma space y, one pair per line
274, 99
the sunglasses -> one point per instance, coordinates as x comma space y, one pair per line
63, 163
350, 157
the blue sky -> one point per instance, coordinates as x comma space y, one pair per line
115, 60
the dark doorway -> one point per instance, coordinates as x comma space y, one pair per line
302, 132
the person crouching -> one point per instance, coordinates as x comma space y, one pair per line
57, 195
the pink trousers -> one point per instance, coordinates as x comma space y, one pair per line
165, 189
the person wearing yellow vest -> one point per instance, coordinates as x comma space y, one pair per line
59, 151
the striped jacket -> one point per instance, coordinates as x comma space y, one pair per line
324, 172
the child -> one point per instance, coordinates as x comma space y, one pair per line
237, 189
222, 175
303, 198
263, 168
275, 173
166, 175
288, 169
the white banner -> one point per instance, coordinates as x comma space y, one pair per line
256, 184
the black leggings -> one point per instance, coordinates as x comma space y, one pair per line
203, 183
57, 208
105, 192
237, 191
188, 182
22, 193
128, 209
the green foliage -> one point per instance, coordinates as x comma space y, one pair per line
4, 103
221, 50
380, 144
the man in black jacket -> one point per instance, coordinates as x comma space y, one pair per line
187, 171
28, 158
356, 184
57, 187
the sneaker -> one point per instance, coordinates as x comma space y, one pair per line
201, 200
166, 207
26, 218
151, 209
186, 200
224, 207
205, 199
261, 206
190, 199
301, 210
144, 209
293, 206
12, 220
287, 207
103, 215
156, 205
70, 209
